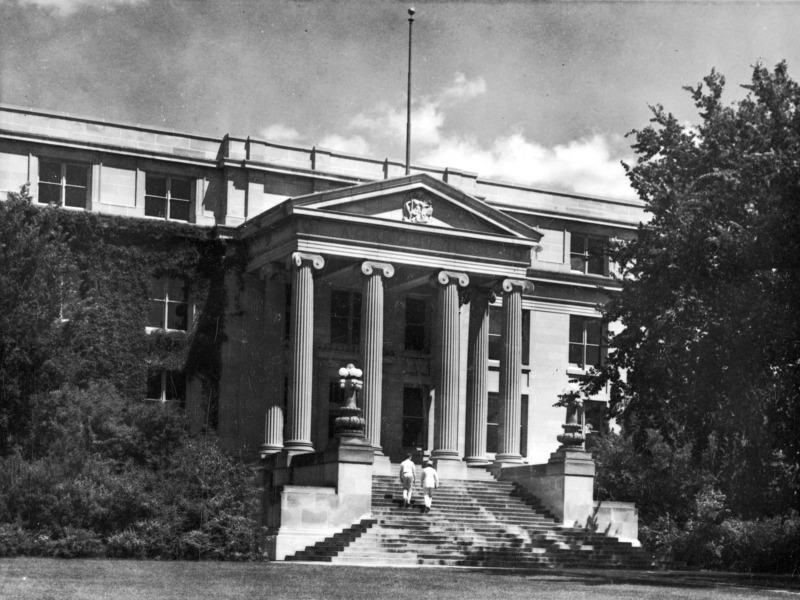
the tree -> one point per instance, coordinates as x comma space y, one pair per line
711, 290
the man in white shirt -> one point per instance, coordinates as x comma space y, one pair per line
408, 477
430, 481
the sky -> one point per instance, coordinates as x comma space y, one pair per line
540, 93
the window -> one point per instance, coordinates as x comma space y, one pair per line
414, 431
492, 422
169, 306
587, 254
416, 324
167, 197
345, 317
166, 386
63, 184
585, 341
496, 334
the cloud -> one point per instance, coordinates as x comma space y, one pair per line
278, 132
585, 166
67, 7
589, 165
427, 115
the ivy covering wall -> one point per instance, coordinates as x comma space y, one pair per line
87, 467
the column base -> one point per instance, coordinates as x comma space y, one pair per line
450, 468
265, 450
477, 461
382, 465
508, 459
290, 450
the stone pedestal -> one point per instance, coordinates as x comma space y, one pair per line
565, 484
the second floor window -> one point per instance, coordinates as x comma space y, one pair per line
169, 304
587, 254
345, 317
496, 334
167, 197
63, 184
585, 341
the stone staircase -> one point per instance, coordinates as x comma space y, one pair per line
473, 523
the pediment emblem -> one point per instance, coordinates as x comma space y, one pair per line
417, 209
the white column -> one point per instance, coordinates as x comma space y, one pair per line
372, 348
447, 363
302, 341
510, 371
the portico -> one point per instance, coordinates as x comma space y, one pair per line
396, 276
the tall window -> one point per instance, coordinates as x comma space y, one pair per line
496, 334
166, 386
167, 197
492, 422
585, 341
345, 317
63, 184
169, 304
587, 254
414, 431
416, 329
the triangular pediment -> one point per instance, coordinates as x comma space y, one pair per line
417, 200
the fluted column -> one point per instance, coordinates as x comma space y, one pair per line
273, 431
510, 371
477, 376
372, 347
445, 441
301, 374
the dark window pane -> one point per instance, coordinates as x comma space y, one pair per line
495, 320
49, 194
75, 197
594, 328
576, 354
49, 172
526, 337
177, 290
155, 207
77, 175
175, 386
415, 338
576, 329
340, 303
491, 437
577, 263
413, 430
338, 329
180, 188
595, 265
413, 417
154, 385
155, 186
157, 287
356, 316
179, 210
155, 314
177, 315
495, 347
416, 312
577, 244
593, 356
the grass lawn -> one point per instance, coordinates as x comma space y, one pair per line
45, 579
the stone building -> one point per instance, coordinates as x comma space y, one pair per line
469, 303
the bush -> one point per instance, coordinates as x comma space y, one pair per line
124, 480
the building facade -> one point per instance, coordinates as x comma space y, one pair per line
469, 304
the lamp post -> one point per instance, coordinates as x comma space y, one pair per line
573, 436
350, 423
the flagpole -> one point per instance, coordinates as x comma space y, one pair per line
408, 104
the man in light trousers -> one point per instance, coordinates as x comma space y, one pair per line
430, 481
408, 477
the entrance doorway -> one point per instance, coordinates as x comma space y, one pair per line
415, 419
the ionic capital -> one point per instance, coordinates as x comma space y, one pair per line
370, 267
507, 286
447, 277
300, 258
